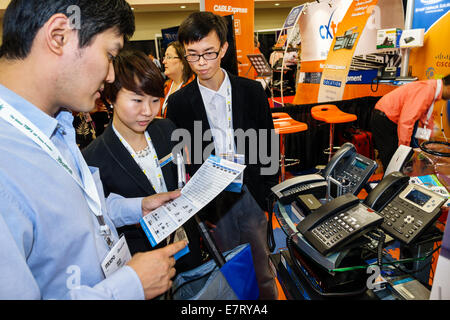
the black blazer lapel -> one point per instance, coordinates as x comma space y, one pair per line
237, 102
123, 159
160, 136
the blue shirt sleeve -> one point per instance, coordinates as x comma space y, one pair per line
123, 211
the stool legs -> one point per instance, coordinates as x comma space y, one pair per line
283, 160
331, 148
282, 156
331, 141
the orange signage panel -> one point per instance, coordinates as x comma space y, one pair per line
244, 18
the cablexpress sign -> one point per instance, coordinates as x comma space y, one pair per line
230, 9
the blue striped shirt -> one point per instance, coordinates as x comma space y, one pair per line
50, 246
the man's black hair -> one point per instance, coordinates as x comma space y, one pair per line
23, 19
199, 24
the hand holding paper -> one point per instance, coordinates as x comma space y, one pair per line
211, 179
153, 202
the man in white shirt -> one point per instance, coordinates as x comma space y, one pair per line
225, 103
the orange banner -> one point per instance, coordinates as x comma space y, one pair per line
336, 68
432, 61
244, 18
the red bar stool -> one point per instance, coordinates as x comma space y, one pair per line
331, 114
283, 125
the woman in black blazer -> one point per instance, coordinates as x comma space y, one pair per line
134, 152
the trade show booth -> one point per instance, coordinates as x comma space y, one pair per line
352, 227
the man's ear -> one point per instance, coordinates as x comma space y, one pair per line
224, 49
57, 33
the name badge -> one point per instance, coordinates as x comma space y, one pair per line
116, 258
166, 160
423, 134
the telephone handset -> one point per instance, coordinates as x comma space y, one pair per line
287, 191
391, 185
337, 223
408, 209
340, 158
348, 170
399, 159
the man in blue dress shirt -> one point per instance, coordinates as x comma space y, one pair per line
54, 219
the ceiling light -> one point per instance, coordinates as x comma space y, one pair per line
276, 4
183, 7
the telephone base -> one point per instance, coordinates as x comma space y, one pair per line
326, 284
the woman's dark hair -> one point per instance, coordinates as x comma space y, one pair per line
179, 49
24, 18
446, 80
134, 71
199, 24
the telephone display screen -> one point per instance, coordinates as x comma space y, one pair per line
361, 165
417, 197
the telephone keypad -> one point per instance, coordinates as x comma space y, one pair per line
337, 228
403, 220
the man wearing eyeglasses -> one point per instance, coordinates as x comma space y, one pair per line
225, 103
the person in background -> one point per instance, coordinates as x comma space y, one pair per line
126, 152
398, 114
90, 125
57, 231
178, 71
225, 103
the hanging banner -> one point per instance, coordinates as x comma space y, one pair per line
244, 20
427, 12
319, 25
432, 61
337, 65
292, 17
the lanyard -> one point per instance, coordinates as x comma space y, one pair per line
19, 121
229, 132
430, 110
150, 166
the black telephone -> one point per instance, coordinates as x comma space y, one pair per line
408, 209
348, 171
383, 73
386, 190
387, 73
287, 191
337, 223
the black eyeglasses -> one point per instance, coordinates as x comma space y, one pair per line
206, 56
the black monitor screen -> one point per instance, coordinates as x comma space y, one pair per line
417, 197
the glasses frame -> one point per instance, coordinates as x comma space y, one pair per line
170, 58
187, 57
